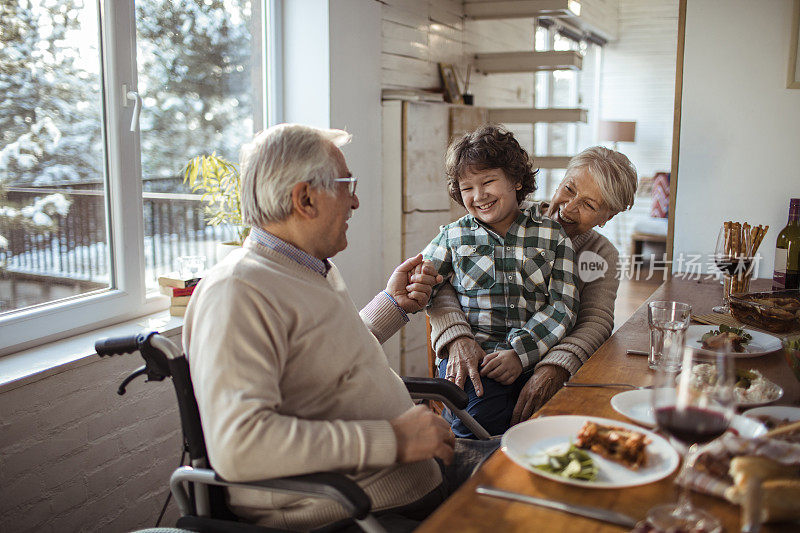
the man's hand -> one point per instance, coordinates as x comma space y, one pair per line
422, 434
464, 356
504, 366
411, 283
544, 383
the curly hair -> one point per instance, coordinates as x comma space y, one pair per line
489, 147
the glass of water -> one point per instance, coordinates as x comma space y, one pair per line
668, 322
190, 266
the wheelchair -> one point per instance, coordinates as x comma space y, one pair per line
199, 491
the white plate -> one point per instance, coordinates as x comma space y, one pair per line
775, 388
636, 405
783, 412
524, 442
761, 344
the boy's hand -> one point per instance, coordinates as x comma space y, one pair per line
504, 366
411, 283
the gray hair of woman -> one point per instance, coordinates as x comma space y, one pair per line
614, 173
276, 160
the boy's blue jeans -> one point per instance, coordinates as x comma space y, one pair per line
493, 410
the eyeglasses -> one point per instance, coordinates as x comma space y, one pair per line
351, 184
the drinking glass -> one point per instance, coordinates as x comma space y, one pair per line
692, 406
190, 266
668, 322
735, 261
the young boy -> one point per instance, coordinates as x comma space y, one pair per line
514, 272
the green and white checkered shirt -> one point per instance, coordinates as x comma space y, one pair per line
518, 292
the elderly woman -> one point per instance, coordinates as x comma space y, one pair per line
599, 183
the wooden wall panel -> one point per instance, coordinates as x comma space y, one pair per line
425, 143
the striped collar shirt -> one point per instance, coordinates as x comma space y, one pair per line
268, 240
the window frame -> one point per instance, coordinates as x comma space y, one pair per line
127, 297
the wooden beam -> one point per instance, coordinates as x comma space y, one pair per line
520, 9
676, 134
530, 116
551, 161
504, 62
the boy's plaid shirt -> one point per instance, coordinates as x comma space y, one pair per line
519, 292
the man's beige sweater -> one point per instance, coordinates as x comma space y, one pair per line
290, 379
595, 315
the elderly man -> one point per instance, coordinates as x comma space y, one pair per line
289, 377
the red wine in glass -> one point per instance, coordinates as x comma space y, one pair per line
692, 412
692, 425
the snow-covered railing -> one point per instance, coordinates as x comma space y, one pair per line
74, 246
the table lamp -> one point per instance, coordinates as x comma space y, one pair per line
617, 131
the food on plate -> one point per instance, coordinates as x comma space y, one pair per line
619, 444
715, 339
751, 386
776, 311
733, 466
772, 422
573, 463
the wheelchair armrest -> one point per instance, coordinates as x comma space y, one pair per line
449, 394
333, 486
437, 389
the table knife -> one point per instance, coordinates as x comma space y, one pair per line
603, 515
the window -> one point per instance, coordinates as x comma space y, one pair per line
92, 203
566, 89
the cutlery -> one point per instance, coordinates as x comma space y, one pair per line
637, 352
624, 385
590, 512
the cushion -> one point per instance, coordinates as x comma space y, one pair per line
660, 196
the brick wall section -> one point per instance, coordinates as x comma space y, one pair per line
75, 456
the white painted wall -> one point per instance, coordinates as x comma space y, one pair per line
332, 69
306, 72
740, 126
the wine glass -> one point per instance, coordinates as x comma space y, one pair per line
693, 406
733, 257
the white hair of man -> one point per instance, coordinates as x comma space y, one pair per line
613, 172
276, 160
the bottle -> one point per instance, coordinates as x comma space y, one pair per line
787, 251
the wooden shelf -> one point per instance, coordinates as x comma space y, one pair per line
504, 62
523, 115
519, 9
551, 161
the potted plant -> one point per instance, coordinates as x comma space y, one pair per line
218, 181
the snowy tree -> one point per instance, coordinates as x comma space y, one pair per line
49, 116
194, 61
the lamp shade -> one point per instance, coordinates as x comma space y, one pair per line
617, 131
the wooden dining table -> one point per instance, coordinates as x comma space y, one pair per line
468, 511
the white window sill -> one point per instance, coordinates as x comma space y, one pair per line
34, 364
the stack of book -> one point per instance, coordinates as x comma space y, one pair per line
179, 290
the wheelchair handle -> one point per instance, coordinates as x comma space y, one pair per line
154, 349
109, 346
